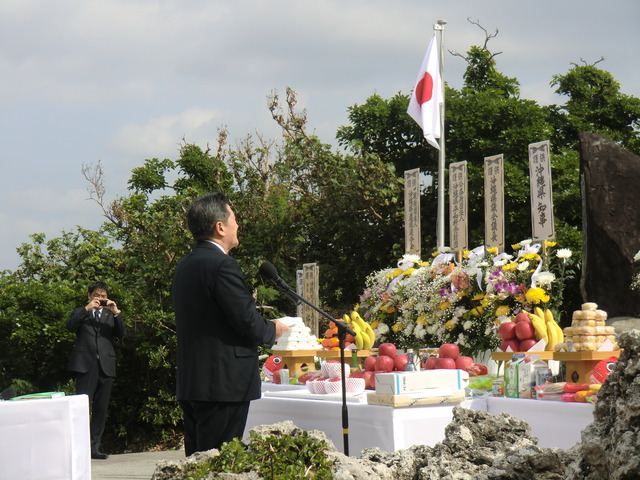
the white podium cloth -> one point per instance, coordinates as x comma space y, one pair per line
45, 439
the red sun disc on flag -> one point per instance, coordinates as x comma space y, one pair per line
424, 89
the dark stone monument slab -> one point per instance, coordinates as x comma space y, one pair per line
610, 182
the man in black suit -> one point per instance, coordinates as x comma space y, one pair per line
219, 330
93, 358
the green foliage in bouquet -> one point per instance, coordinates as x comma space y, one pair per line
462, 300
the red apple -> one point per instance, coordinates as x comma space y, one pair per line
384, 363
522, 317
369, 380
463, 363
514, 344
305, 377
388, 349
525, 345
400, 362
448, 350
370, 363
507, 330
429, 363
357, 374
483, 368
445, 362
525, 330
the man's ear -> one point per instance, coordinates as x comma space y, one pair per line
219, 229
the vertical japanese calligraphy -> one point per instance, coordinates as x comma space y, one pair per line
412, 211
542, 220
458, 202
308, 287
494, 202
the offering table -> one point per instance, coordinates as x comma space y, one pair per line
388, 428
556, 424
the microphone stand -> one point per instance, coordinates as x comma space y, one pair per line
343, 329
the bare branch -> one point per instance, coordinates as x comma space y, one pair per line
487, 36
95, 176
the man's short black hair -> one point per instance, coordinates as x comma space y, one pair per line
98, 286
205, 212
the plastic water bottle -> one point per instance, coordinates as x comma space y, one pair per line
411, 365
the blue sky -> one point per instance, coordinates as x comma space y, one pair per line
120, 81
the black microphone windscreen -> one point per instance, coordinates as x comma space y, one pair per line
8, 393
268, 271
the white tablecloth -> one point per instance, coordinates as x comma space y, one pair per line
46, 439
556, 424
388, 428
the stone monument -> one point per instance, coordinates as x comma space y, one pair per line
610, 184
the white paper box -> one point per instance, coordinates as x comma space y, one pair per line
395, 383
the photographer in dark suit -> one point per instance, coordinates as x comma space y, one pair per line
219, 330
93, 358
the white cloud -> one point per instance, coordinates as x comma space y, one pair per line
160, 136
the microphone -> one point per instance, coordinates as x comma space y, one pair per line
269, 272
8, 393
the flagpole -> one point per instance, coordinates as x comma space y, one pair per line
440, 233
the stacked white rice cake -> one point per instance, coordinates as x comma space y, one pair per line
588, 330
298, 337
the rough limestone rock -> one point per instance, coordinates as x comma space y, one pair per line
624, 324
610, 179
482, 446
610, 446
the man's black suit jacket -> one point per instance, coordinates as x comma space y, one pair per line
219, 329
95, 340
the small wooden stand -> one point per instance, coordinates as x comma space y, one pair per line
294, 360
503, 356
579, 365
335, 355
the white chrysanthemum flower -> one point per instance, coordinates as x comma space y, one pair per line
410, 258
524, 266
564, 253
408, 329
444, 249
636, 257
382, 328
525, 242
467, 325
545, 278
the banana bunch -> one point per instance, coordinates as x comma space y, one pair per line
544, 322
365, 336
540, 327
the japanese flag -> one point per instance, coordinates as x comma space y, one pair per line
424, 106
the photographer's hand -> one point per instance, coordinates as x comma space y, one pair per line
111, 305
94, 303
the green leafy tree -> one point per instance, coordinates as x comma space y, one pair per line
594, 104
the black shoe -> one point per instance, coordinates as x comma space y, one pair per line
99, 455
